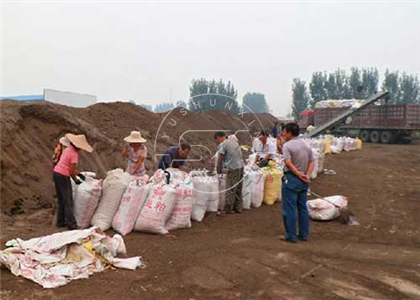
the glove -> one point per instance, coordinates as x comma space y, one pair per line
78, 182
81, 176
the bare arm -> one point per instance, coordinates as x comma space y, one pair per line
124, 151
310, 168
74, 172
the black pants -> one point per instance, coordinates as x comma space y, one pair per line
64, 192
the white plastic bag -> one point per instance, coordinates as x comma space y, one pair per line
113, 189
157, 210
131, 204
206, 194
86, 198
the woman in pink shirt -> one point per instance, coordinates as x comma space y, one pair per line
136, 152
66, 168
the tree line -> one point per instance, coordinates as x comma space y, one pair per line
215, 95
358, 84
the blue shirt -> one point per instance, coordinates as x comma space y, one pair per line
171, 159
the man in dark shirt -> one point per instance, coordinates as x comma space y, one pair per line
174, 156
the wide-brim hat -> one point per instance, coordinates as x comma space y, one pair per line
134, 137
64, 141
79, 141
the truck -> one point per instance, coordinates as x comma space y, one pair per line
374, 121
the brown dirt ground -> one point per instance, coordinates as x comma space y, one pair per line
241, 257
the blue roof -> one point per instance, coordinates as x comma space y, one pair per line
25, 98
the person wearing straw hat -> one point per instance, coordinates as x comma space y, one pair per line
58, 151
136, 152
66, 168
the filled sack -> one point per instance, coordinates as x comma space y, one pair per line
157, 210
206, 194
184, 201
272, 184
113, 189
222, 191
256, 186
246, 192
86, 198
327, 208
131, 204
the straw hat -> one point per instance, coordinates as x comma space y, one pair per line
134, 137
79, 141
64, 141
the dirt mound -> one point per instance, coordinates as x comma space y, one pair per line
29, 132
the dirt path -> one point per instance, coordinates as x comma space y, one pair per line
241, 257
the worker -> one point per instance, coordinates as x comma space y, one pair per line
275, 130
299, 163
280, 140
135, 151
264, 148
232, 153
175, 157
66, 168
58, 150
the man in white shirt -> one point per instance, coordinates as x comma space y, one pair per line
264, 148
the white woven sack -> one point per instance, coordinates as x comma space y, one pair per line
131, 204
157, 210
322, 210
184, 201
222, 192
113, 189
256, 187
213, 196
246, 192
201, 190
86, 198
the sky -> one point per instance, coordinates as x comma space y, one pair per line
150, 51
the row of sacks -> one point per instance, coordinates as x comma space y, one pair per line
167, 201
329, 144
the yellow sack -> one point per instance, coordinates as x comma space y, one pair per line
272, 185
327, 146
359, 144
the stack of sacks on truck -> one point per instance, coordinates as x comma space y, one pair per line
350, 103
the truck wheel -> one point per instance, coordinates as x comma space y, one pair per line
374, 136
387, 137
365, 136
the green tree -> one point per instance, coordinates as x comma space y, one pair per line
300, 97
409, 86
164, 107
342, 84
391, 84
255, 102
214, 100
370, 80
317, 88
355, 84
331, 86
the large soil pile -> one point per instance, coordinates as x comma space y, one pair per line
30, 131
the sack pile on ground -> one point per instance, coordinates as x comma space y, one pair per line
328, 208
172, 198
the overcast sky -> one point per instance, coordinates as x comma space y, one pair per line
150, 52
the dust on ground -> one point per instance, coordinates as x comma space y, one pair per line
241, 256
